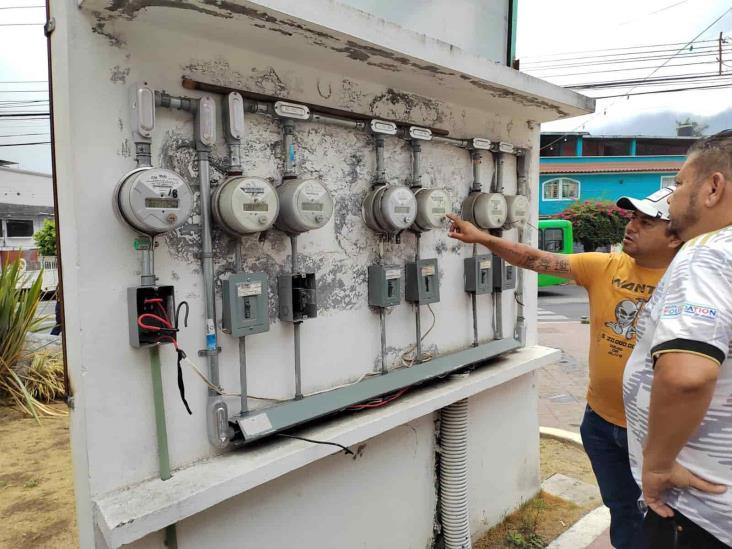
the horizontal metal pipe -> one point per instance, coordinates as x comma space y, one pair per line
462, 143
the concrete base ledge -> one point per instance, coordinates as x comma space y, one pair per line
585, 531
127, 515
562, 435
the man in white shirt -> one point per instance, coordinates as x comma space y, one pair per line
678, 381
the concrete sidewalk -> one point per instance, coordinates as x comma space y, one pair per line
562, 391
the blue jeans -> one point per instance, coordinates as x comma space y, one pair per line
606, 445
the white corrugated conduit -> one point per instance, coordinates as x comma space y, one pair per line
454, 475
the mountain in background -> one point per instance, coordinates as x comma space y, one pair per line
661, 124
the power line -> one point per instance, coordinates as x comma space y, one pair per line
25, 144
23, 81
696, 63
21, 24
621, 55
24, 91
690, 41
20, 7
648, 81
616, 61
717, 87
618, 49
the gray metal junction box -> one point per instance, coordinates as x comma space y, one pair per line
245, 304
385, 285
479, 274
504, 275
422, 282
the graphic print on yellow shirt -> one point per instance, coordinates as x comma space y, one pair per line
618, 289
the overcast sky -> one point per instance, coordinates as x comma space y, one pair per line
550, 28
544, 28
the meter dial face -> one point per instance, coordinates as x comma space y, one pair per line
432, 205
518, 211
305, 204
154, 200
396, 208
490, 211
245, 205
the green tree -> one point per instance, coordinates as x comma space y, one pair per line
596, 223
45, 238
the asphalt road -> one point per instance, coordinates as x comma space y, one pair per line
567, 303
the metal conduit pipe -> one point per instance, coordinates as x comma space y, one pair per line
416, 147
288, 149
454, 475
476, 158
522, 183
462, 143
498, 294
418, 309
380, 178
203, 109
296, 328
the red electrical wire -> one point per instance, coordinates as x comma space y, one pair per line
379, 402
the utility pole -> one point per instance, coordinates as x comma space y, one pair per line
720, 54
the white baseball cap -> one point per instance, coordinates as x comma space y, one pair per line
654, 205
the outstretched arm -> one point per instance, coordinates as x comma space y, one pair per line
515, 253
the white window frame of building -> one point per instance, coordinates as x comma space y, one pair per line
560, 194
667, 181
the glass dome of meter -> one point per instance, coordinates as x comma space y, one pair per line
432, 205
153, 200
389, 209
485, 210
245, 205
305, 204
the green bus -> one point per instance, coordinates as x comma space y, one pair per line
555, 235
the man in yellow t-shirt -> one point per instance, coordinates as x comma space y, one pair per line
618, 285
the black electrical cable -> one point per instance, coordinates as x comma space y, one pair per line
181, 385
344, 448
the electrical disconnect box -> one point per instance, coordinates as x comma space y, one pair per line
422, 282
385, 283
479, 274
145, 305
244, 303
504, 275
297, 294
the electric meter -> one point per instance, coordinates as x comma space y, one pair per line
389, 209
245, 205
518, 210
432, 205
153, 200
305, 204
485, 210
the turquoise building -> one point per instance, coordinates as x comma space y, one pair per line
579, 166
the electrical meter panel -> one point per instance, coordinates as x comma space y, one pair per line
245, 205
151, 306
504, 275
518, 208
245, 309
432, 205
422, 282
485, 210
305, 204
389, 209
385, 282
479, 274
153, 200
297, 294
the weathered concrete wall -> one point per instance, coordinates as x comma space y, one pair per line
389, 489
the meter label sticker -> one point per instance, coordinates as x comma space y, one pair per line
247, 289
428, 270
391, 274
485, 264
256, 425
252, 188
313, 192
210, 328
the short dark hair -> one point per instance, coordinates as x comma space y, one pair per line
713, 154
